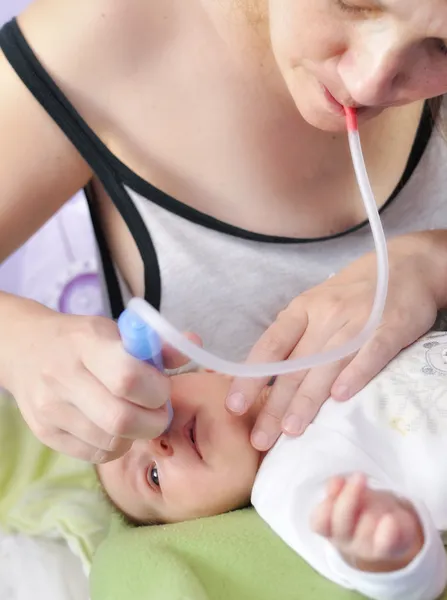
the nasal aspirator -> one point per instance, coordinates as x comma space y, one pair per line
142, 342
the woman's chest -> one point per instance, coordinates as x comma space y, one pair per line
240, 162
223, 136
228, 285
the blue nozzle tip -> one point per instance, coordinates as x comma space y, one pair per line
140, 340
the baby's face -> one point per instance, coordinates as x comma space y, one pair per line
204, 465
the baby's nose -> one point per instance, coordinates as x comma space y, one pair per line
161, 446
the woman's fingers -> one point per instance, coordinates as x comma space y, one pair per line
369, 361
65, 443
310, 396
401, 326
124, 376
84, 395
267, 428
69, 419
315, 388
274, 345
296, 398
114, 415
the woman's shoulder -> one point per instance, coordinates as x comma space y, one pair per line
79, 40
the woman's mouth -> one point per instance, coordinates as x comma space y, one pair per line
337, 107
333, 103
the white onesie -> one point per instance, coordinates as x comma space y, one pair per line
395, 432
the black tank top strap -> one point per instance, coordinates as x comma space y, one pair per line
27, 66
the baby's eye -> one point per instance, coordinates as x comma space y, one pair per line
153, 475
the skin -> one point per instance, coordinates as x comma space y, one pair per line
173, 479
374, 531
374, 56
190, 485
366, 53
122, 65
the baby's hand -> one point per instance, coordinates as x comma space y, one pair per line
373, 530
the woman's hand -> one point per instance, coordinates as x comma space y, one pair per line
330, 314
77, 388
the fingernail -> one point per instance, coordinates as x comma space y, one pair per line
341, 393
293, 425
236, 402
261, 440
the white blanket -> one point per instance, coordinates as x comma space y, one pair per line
39, 569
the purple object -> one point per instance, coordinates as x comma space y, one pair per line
11, 8
81, 295
58, 265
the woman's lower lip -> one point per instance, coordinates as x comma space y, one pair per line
336, 106
339, 108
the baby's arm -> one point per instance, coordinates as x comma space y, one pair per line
384, 546
293, 481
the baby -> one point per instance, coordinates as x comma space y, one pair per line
361, 495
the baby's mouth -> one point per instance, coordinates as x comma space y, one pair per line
191, 434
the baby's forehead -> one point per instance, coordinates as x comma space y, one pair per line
200, 380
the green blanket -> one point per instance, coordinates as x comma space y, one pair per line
44, 493
230, 557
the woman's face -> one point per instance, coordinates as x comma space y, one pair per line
366, 53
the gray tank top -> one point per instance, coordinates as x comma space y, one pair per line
229, 288
226, 284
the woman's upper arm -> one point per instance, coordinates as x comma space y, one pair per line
86, 47
40, 169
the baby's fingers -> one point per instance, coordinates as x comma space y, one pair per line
395, 534
347, 508
387, 536
335, 486
321, 517
369, 361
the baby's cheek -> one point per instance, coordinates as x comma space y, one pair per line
243, 468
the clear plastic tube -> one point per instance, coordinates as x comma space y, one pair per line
209, 361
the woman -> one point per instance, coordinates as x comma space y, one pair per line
233, 112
